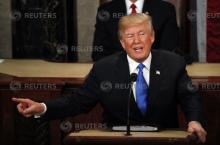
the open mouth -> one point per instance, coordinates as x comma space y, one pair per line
138, 49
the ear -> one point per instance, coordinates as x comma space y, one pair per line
152, 38
122, 43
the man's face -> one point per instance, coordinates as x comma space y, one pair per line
137, 41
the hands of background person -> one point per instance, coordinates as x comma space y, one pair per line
28, 107
196, 127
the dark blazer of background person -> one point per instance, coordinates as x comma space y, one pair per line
107, 83
106, 39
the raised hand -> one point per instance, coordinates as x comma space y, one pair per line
28, 107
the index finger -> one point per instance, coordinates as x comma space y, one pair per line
20, 100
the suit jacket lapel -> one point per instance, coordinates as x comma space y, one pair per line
122, 76
122, 69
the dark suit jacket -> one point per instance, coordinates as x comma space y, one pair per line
106, 41
107, 83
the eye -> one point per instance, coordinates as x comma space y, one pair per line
129, 35
142, 33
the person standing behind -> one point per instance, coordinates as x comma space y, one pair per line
108, 15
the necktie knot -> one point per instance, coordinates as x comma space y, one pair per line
133, 8
141, 66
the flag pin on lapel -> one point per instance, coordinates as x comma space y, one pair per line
157, 72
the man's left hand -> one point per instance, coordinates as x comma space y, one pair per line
196, 127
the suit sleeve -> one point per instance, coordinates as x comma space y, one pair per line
170, 33
190, 101
73, 104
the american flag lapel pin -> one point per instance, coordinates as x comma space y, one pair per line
157, 72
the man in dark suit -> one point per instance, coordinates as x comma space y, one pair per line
162, 83
106, 40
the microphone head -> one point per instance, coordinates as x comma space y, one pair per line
133, 77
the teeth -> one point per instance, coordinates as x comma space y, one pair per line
138, 49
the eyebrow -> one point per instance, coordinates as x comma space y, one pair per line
134, 33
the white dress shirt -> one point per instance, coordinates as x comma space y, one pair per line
139, 6
146, 70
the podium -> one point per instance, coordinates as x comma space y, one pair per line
103, 137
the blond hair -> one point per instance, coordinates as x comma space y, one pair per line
135, 19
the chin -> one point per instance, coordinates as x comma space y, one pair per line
139, 59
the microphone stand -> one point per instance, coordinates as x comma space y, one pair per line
128, 133
133, 78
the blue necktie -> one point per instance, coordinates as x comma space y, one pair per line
141, 90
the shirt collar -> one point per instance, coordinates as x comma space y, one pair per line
138, 3
133, 64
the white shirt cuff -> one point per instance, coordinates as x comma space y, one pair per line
42, 113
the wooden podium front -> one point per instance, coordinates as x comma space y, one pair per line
111, 137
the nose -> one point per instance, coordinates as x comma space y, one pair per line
136, 39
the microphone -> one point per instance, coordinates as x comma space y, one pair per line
132, 79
